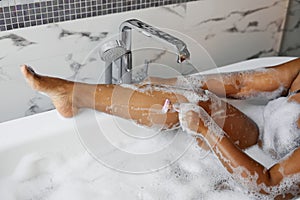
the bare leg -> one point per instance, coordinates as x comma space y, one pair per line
142, 104
241, 84
239, 128
59, 90
143, 107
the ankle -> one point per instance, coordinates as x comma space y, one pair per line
83, 95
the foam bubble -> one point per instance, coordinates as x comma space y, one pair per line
281, 134
190, 81
263, 96
190, 94
213, 128
55, 176
287, 186
194, 176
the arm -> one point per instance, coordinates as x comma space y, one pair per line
245, 170
241, 84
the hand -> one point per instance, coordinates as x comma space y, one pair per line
190, 119
192, 123
197, 122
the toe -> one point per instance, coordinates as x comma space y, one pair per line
24, 69
27, 71
30, 70
31, 77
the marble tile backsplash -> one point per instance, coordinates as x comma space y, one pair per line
291, 38
216, 35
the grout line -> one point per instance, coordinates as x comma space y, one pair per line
37, 12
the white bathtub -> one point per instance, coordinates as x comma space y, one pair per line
32, 143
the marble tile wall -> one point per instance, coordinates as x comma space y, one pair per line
226, 31
216, 35
291, 39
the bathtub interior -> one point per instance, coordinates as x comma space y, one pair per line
45, 156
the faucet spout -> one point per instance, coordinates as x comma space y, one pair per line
149, 31
124, 63
183, 55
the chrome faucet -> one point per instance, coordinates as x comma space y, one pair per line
125, 61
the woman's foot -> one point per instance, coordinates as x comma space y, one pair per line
59, 90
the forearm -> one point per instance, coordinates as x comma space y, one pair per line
245, 170
281, 181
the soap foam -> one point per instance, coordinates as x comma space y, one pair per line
191, 95
287, 186
196, 81
281, 134
190, 81
265, 96
213, 128
55, 176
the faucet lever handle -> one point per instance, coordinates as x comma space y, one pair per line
149, 31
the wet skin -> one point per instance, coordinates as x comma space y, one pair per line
144, 103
